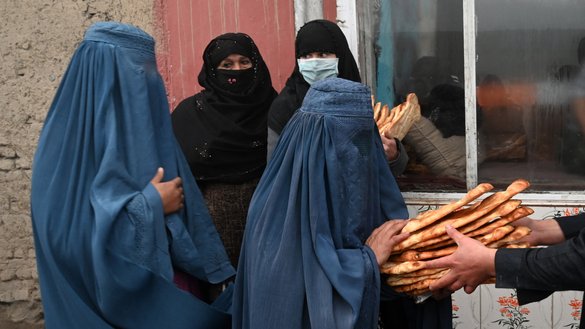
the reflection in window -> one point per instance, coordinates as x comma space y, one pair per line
419, 49
529, 87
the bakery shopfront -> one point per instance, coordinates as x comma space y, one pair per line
497, 81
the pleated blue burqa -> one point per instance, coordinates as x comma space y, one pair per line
327, 187
105, 250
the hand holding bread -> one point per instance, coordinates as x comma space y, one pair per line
414, 263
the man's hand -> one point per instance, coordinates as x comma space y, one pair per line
471, 265
385, 237
171, 192
390, 148
543, 232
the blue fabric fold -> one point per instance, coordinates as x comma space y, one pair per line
105, 250
327, 187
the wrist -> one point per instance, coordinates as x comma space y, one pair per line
491, 262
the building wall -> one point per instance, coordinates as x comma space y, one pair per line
37, 39
189, 25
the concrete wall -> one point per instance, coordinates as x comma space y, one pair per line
270, 23
37, 39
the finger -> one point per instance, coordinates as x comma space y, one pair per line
158, 176
454, 234
446, 281
396, 239
455, 286
388, 231
469, 289
392, 226
442, 262
178, 181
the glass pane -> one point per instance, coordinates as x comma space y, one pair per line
529, 90
417, 47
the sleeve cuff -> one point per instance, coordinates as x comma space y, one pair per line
153, 198
398, 165
571, 225
508, 263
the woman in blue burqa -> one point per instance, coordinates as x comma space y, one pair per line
317, 226
108, 240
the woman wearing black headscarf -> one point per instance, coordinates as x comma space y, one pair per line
222, 131
322, 51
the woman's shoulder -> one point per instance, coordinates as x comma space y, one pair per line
187, 104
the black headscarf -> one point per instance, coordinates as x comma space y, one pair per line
315, 36
222, 132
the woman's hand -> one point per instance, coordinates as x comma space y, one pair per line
385, 237
390, 148
171, 192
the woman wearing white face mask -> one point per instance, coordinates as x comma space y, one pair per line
322, 51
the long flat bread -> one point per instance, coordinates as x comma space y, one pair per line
431, 254
406, 256
517, 245
424, 284
428, 217
377, 112
434, 231
395, 281
401, 268
383, 116
502, 210
518, 233
423, 272
490, 203
493, 201
496, 234
513, 216
406, 114
413, 255
390, 114
486, 206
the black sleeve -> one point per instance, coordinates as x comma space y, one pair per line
538, 272
571, 225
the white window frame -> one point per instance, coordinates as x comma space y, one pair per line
348, 22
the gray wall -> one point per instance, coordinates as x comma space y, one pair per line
37, 39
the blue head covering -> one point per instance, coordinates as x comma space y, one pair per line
328, 186
105, 251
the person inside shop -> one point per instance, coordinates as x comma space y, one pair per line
571, 148
115, 211
534, 272
318, 226
222, 131
321, 51
438, 138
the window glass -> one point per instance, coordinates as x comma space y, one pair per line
530, 86
418, 48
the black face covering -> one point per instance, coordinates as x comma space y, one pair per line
222, 129
235, 81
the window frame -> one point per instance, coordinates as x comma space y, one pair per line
540, 198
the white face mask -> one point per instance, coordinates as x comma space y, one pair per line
315, 69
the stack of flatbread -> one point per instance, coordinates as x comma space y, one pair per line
396, 122
487, 221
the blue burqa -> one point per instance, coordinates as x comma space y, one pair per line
327, 187
105, 251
